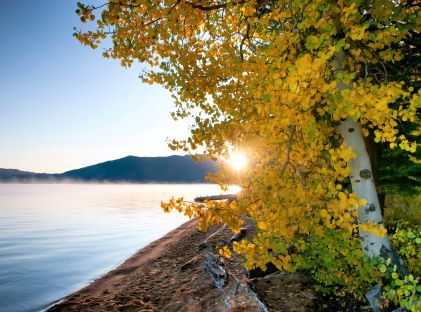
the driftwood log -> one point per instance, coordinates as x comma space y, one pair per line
229, 197
215, 267
236, 293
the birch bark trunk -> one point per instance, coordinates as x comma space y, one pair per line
362, 182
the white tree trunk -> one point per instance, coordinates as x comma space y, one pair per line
363, 185
362, 182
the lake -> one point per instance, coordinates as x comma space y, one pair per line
57, 238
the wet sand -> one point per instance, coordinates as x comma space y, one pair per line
168, 275
153, 279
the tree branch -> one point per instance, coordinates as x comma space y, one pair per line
202, 7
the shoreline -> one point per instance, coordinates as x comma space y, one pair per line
112, 279
168, 275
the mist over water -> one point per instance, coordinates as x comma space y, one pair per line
56, 238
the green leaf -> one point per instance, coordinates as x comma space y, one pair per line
313, 42
395, 275
382, 268
340, 45
410, 235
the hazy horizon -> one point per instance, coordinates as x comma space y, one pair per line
99, 162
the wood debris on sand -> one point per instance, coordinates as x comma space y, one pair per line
169, 275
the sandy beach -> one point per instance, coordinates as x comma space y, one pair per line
151, 280
168, 275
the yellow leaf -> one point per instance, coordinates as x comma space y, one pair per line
262, 225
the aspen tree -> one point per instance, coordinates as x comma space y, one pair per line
276, 80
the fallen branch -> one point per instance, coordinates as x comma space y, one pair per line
202, 199
215, 267
205, 243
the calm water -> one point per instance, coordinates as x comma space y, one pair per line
56, 238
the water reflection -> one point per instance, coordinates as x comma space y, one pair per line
55, 239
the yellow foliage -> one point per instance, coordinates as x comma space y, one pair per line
259, 76
225, 252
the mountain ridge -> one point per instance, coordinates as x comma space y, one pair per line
129, 169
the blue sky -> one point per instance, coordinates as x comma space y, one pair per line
63, 106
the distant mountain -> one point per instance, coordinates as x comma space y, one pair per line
171, 169
12, 175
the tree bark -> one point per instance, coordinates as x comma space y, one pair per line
373, 151
362, 182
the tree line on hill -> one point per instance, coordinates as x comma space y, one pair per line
131, 169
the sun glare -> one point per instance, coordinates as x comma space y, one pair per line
234, 189
238, 161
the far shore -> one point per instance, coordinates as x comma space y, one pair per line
68, 181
